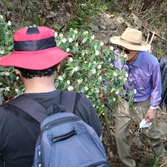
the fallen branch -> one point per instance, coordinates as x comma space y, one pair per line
153, 34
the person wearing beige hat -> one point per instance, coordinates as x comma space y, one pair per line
144, 78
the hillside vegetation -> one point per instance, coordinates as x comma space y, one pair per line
104, 18
146, 15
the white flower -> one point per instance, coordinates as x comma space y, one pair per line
2, 51
71, 29
70, 40
7, 88
114, 99
94, 71
1, 16
86, 88
9, 23
112, 90
94, 62
117, 92
7, 73
99, 66
101, 43
85, 32
125, 55
111, 48
17, 78
111, 65
97, 52
125, 79
70, 59
70, 88
16, 90
67, 50
92, 37
76, 44
115, 74
75, 69
135, 91
61, 35
55, 34
64, 40
120, 78
60, 78
97, 90
80, 81
75, 32
68, 82
100, 78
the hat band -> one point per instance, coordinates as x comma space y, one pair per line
35, 45
130, 42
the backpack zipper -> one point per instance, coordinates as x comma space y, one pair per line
57, 122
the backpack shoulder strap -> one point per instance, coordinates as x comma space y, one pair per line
33, 108
67, 99
37, 111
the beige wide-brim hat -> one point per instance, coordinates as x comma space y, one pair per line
131, 39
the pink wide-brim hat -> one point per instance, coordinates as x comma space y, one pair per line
34, 48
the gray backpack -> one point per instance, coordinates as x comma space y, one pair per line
65, 140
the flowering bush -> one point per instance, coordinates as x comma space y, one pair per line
9, 82
89, 72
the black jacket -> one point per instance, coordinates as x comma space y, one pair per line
19, 131
163, 68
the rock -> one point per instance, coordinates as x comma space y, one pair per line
94, 27
102, 27
138, 141
137, 22
120, 19
51, 15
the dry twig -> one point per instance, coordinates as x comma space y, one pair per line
153, 34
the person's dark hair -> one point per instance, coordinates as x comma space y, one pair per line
26, 73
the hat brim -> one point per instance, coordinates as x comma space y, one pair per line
34, 60
143, 47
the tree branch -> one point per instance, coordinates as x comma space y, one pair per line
154, 33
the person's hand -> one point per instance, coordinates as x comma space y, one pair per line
150, 115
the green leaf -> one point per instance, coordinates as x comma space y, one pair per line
84, 40
2, 89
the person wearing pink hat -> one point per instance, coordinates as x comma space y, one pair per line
144, 78
36, 59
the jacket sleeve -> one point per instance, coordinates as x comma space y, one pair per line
163, 69
156, 87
